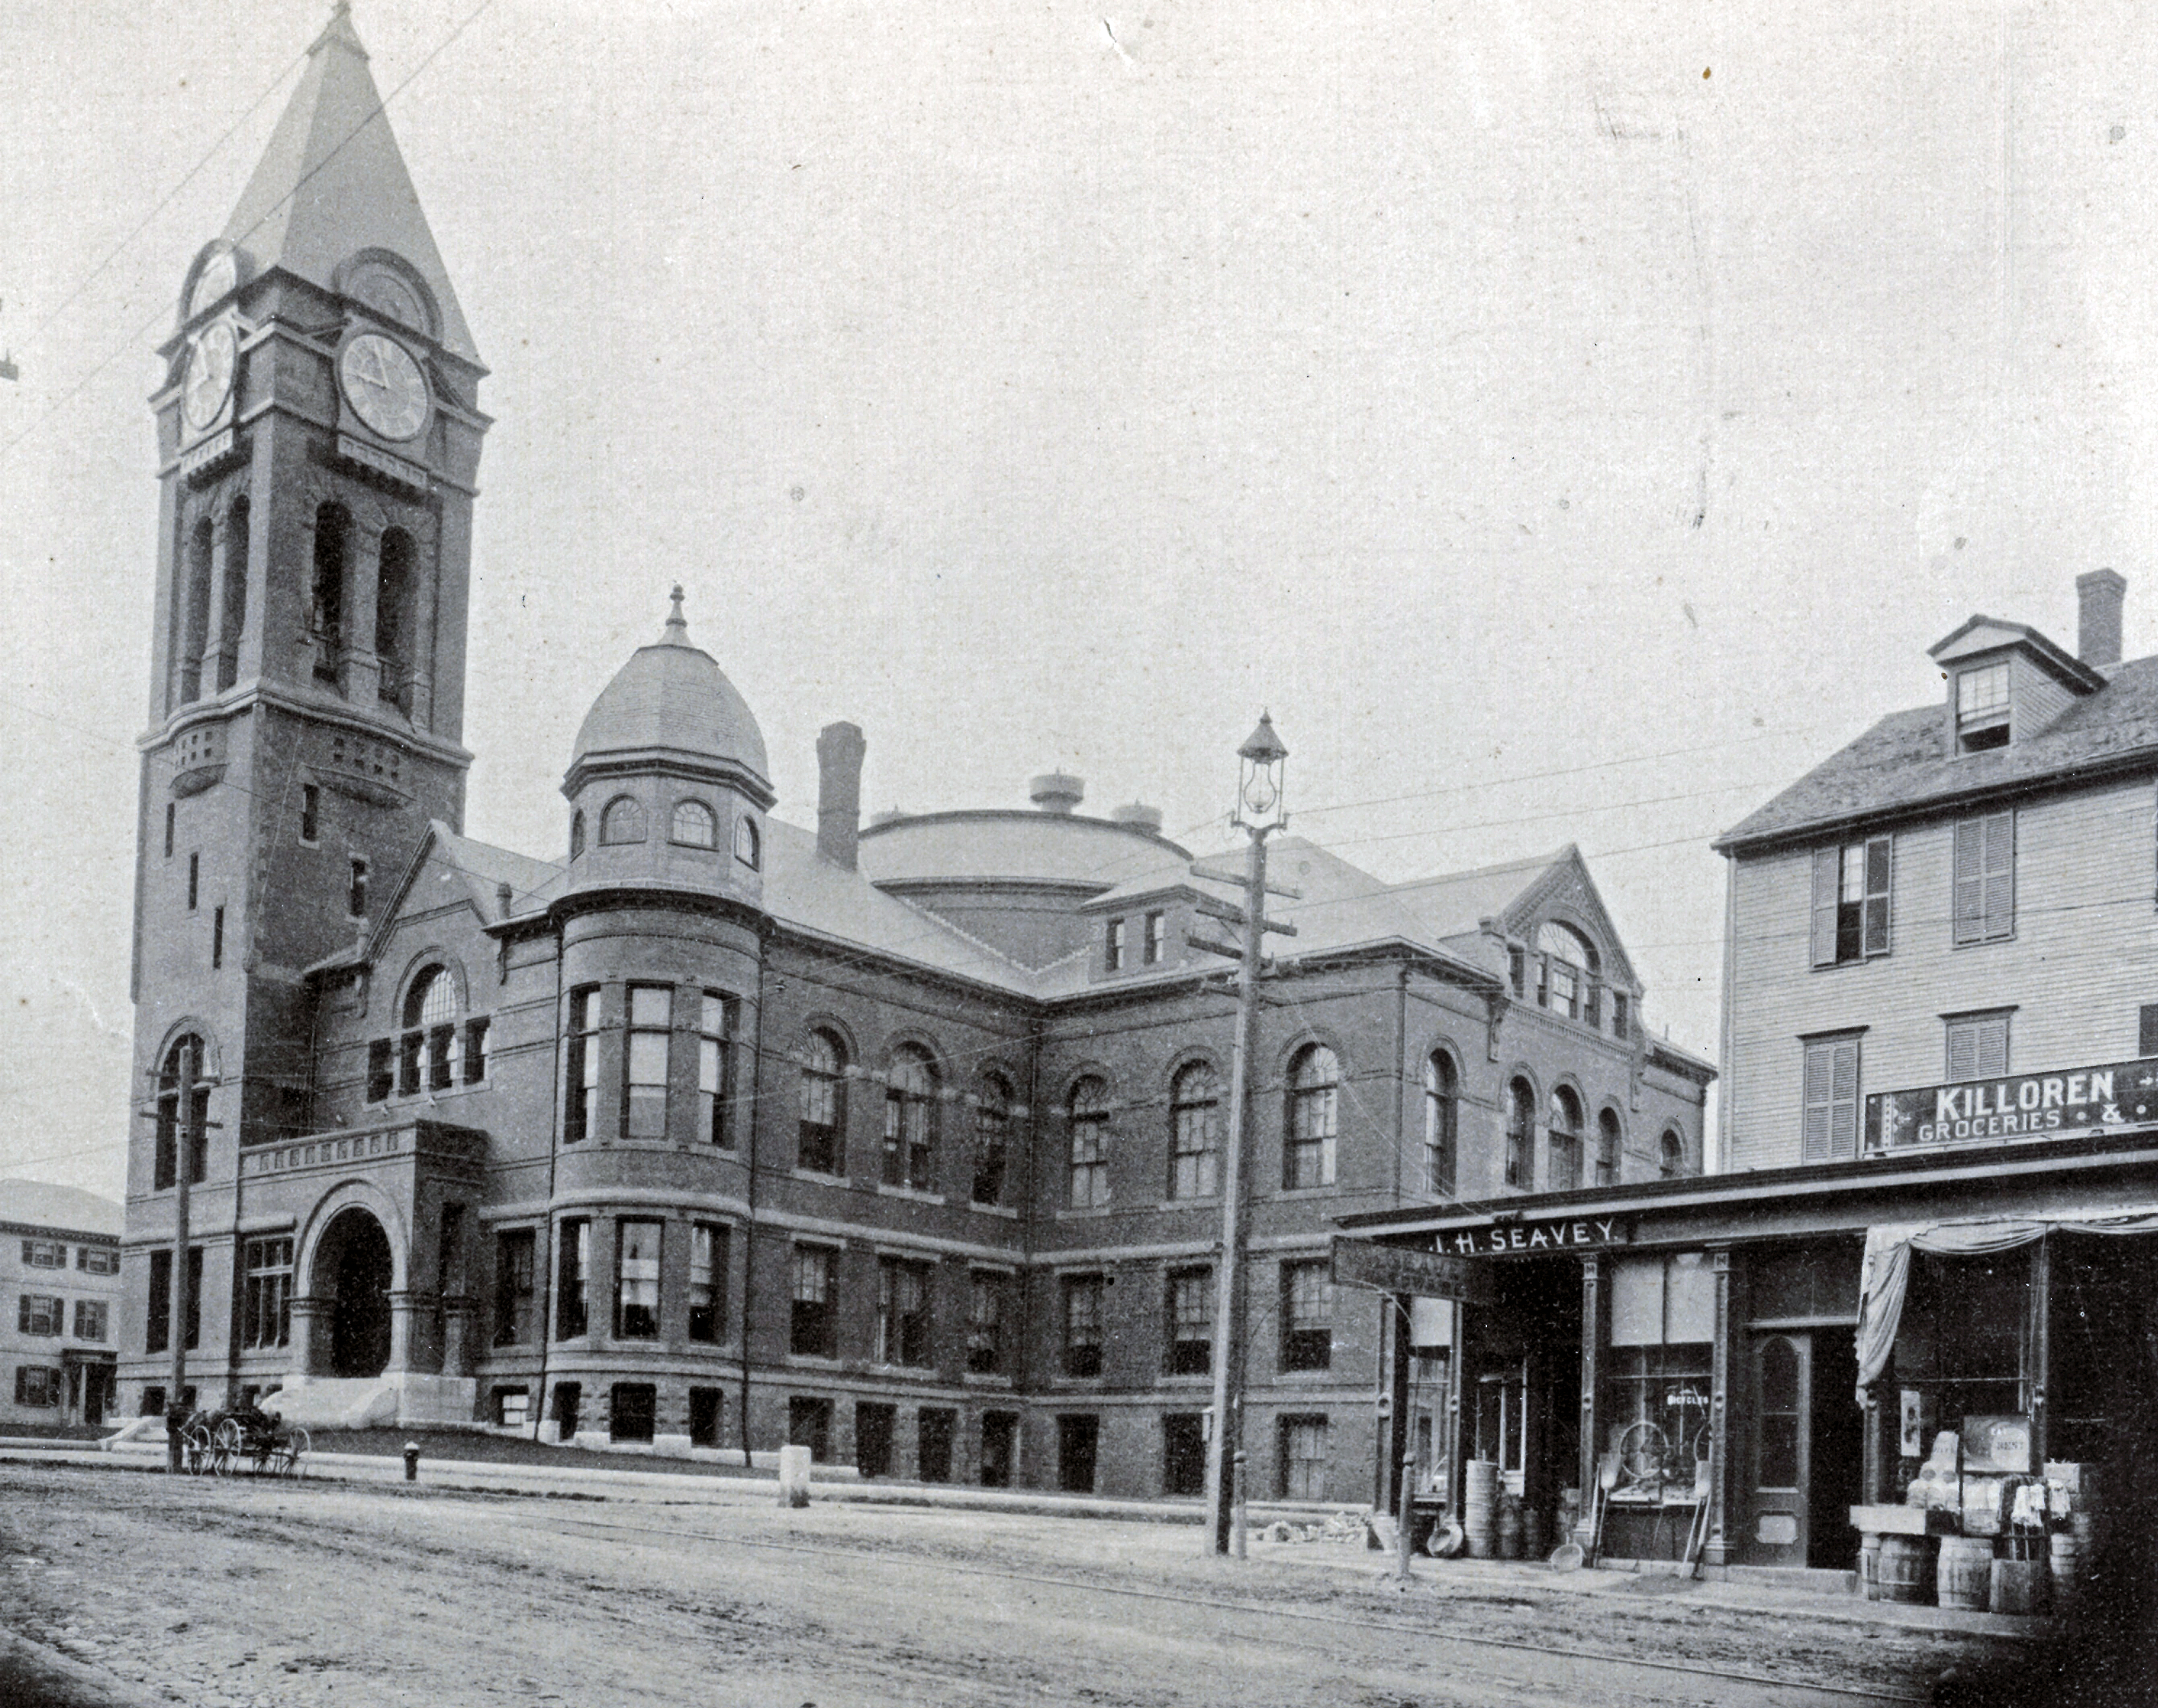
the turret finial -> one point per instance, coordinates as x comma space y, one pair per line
678, 627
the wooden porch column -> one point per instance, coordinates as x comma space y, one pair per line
1591, 1337
1450, 1418
1717, 1552
2037, 1377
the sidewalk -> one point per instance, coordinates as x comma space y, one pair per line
742, 1487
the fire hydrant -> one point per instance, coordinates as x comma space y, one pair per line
411, 1462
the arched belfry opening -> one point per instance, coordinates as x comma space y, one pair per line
353, 1273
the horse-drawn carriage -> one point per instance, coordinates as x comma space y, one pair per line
219, 1443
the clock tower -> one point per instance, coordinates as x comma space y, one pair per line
318, 438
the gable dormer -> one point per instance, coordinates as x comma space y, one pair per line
2006, 682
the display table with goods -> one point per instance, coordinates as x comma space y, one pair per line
1978, 1529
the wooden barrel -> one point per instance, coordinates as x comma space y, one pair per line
2019, 1587
2067, 1561
1509, 1530
1904, 1568
1479, 1504
1965, 1578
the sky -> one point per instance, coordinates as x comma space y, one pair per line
1572, 423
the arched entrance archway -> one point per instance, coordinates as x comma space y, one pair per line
352, 1272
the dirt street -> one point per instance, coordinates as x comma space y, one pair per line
230, 1593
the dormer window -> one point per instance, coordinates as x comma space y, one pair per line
1981, 701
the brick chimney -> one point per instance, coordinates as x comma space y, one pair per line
2098, 618
839, 751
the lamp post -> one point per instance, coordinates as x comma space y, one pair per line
1259, 813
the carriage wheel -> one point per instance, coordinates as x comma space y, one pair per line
230, 1446
195, 1448
289, 1449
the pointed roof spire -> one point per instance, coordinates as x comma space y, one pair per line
677, 632
331, 182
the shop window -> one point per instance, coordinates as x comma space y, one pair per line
1609, 1143
265, 1312
1087, 1117
514, 1300
581, 1073
693, 825
704, 1414
621, 821
714, 1068
636, 1279
809, 1424
1851, 891
910, 1119
1961, 1342
822, 1148
1977, 1046
1191, 1322
1520, 1131
1083, 1325
1307, 1316
1315, 1093
632, 1411
991, 1139
1985, 880
875, 1425
1078, 1439
902, 1311
644, 1062
1564, 1154
708, 1280
1655, 1412
936, 1427
1442, 1118
1183, 1454
1302, 1459
1831, 1129
812, 1328
985, 1321
573, 1293
1194, 1118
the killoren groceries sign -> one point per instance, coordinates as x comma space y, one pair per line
2021, 1105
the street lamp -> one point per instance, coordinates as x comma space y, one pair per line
1263, 759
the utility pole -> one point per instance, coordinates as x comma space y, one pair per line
186, 1128
1259, 795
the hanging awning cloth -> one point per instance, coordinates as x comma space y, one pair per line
1885, 1274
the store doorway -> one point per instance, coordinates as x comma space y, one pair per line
1836, 1451
1806, 1451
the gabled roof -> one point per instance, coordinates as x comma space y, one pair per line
1978, 634
1903, 763
41, 1204
331, 182
477, 869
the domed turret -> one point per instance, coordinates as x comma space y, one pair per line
667, 783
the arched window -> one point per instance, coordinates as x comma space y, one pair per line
623, 821
1088, 1116
430, 1039
1194, 1120
194, 634
233, 617
749, 846
1314, 1092
1520, 1131
1442, 1116
576, 835
1564, 1165
822, 1148
991, 1139
910, 1119
1568, 970
182, 1112
693, 825
1671, 1156
1608, 1145
326, 606
393, 618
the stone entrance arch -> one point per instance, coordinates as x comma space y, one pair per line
350, 1280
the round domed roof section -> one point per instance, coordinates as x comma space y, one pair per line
672, 707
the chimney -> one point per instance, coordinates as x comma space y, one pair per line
2098, 618
1056, 792
1138, 816
839, 750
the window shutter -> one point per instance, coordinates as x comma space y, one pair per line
2146, 1030
2000, 875
1813, 1146
1963, 1051
1968, 904
1992, 1041
1880, 874
1826, 871
1843, 1113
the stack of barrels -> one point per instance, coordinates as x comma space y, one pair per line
1479, 1508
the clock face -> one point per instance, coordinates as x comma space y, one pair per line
209, 376
219, 275
385, 385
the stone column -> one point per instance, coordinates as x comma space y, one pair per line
1716, 1553
306, 1307
404, 1302
361, 676
1591, 1346
419, 598
456, 1334
214, 642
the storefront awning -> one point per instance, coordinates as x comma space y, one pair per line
1884, 1273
